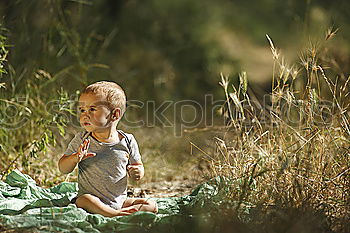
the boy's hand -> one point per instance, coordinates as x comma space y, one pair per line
83, 151
127, 211
136, 171
130, 209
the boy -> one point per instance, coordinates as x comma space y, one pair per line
104, 154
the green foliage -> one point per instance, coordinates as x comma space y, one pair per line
29, 127
164, 45
30, 119
3, 54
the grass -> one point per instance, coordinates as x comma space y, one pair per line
289, 155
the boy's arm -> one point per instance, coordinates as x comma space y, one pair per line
67, 163
135, 167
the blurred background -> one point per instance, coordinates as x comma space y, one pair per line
162, 49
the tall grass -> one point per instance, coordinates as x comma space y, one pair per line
31, 119
292, 150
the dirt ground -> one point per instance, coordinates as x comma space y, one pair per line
174, 165
175, 188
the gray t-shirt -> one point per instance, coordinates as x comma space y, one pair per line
105, 175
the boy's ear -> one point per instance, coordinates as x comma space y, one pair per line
116, 114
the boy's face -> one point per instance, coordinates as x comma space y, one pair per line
94, 115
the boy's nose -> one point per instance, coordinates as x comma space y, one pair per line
84, 115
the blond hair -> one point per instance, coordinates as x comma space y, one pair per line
114, 94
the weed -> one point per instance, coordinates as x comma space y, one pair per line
294, 150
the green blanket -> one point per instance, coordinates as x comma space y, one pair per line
25, 206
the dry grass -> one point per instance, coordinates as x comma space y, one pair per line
294, 150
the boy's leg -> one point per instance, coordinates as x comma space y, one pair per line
140, 204
94, 205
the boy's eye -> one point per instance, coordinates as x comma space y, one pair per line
92, 109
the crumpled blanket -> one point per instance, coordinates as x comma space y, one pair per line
24, 206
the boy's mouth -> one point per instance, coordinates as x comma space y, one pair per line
86, 124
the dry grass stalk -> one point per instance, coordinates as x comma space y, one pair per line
291, 164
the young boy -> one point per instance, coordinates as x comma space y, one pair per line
104, 154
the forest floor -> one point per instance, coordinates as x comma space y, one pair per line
169, 186
177, 187
174, 165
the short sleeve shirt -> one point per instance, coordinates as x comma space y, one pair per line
105, 175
